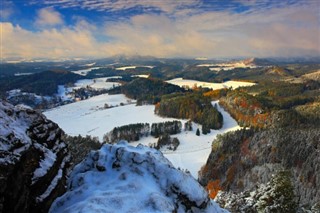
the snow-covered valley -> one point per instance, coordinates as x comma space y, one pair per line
191, 83
90, 117
239, 170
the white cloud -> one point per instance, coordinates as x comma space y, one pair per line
291, 31
48, 17
49, 43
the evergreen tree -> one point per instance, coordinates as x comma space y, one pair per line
198, 132
205, 129
188, 126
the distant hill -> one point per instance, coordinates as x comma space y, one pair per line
312, 76
256, 62
149, 90
43, 83
276, 70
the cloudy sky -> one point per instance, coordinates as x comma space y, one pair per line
58, 29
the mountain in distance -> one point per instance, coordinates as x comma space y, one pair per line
122, 58
267, 61
295, 60
42, 83
277, 70
312, 76
256, 62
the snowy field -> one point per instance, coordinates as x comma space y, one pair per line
84, 72
132, 67
97, 83
226, 66
190, 83
23, 73
141, 76
89, 117
218, 69
193, 151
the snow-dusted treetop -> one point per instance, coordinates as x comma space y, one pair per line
122, 178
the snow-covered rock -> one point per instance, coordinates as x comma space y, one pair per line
33, 160
122, 178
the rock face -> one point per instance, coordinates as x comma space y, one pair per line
33, 160
260, 167
122, 178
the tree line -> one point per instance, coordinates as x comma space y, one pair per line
149, 91
192, 106
166, 141
133, 132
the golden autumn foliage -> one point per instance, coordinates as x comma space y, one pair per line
215, 94
246, 109
195, 87
244, 80
213, 187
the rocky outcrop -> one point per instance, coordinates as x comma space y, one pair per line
122, 178
33, 160
246, 160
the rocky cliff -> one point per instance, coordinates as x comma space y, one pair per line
33, 160
266, 169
